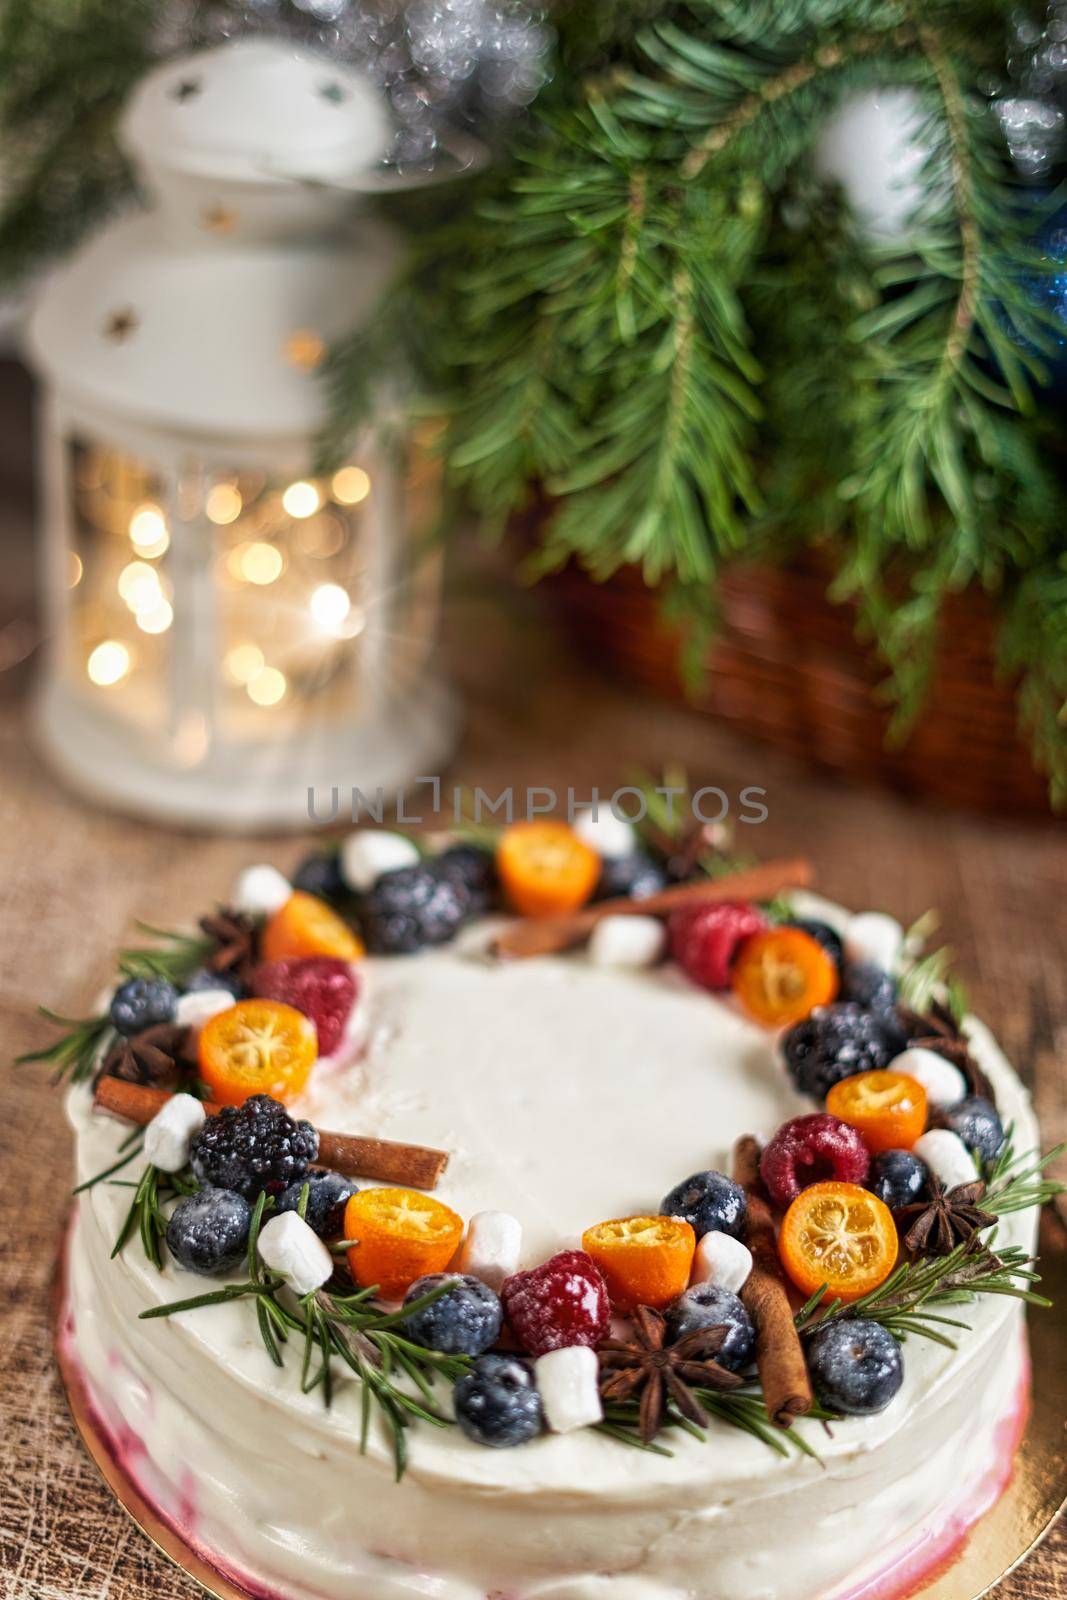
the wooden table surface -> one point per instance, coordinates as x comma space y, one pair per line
74, 879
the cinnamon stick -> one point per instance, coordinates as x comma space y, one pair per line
779, 1357
540, 936
415, 1166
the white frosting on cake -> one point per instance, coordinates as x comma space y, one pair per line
567, 1094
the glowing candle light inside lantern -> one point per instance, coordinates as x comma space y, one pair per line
139, 586
108, 663
350, 485
223, 503
243, 662
301, 499
148, 531
267, 687
157, 618
330, 605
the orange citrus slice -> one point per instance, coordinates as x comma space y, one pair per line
839, 1235
545, 869
402, 1236
307, 926
782, 974
257, 1047
646, 1261
887, 1109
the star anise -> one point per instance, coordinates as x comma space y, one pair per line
647, 1365
949, 1218
234, 934
158, 1056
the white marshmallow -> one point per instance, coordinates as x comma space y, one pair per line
170, 1132
491, 1249
568, 1383
945, 1084
261, 890
369, 853
289, 1246
610, 836
723, 1261
874, 938
627, 941
199, 1006
947, 1157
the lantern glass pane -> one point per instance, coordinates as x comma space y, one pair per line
121, 610
420, 561
292, 566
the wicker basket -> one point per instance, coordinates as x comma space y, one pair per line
787, 668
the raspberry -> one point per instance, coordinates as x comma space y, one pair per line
705, 939
563, 1302
322, 987
812, 1149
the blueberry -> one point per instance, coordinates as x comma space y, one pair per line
632, 877
898, 1178
823, 934
708, 1306
855, 1366
869, 986
978, 1125
835, 1042
208, 1232
496, 1402
710, 1202
463, 1322
206, 979
320, 874
327, 1194
141, 1003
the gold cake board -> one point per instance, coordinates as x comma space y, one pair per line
1004, 1537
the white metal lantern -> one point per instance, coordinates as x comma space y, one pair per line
227, 631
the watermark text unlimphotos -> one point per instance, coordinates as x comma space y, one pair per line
430, 801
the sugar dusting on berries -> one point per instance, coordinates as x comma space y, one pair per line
322, 987
809, 1150
705, 939
562, 1302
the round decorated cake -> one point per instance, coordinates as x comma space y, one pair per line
668, 1242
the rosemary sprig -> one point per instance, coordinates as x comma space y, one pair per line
928, 977
132, 1152
146, 1216
1015, 1182
744, 1409
176, 958
75, 1055
904, 1302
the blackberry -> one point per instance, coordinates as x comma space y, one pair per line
411, 908
471, 869
328, 1193
633, 877
204, 978
208, 1232
836, 1042
708, 1305
463, 1322
868, 986
141, 1003
253, 1147
823, 934
320, 874
977, 1123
